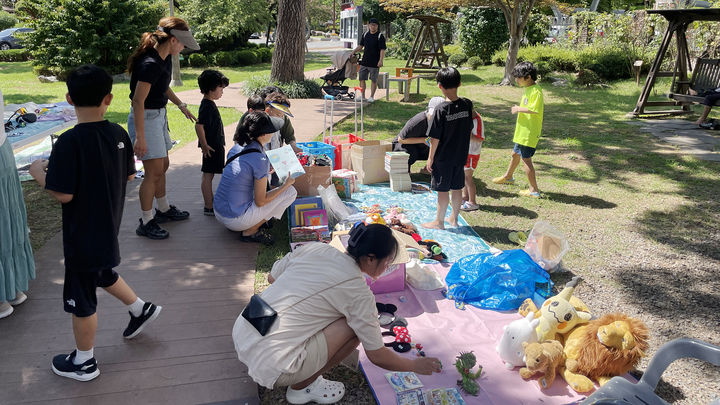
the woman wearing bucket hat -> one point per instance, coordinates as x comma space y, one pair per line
150, 71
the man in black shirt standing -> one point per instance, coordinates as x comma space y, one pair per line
374, 44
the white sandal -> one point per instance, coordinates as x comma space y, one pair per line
321, 391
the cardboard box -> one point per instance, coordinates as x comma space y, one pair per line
306, 185
368, 160
392, 281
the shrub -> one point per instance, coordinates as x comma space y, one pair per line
399, 48
302, 89
245, 57
265, 54
543, 69
197, 60
7, 20
482, 31
588, 78
14, 55
475, 62
609, 62
224, 58
558, 58
452, 49
458, 59
537, 28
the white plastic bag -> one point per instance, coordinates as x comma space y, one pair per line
421, 276
546, 245
334, 206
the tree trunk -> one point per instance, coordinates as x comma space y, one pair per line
288, 60
511, 59
516, 18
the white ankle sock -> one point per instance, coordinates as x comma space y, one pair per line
82, 356
162, 204
136, 307
147, 216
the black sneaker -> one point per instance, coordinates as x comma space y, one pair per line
152, 230
63, 366
150, 311
173, 214
209, 212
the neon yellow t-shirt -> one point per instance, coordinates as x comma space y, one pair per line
529, 126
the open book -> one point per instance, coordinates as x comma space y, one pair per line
284, 161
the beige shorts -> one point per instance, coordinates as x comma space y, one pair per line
316, 358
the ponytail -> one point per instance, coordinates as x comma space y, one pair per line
158, 37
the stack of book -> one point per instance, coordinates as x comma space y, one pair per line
396, 164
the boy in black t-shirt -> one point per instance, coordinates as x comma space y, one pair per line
449, 134
210, 132
88, 170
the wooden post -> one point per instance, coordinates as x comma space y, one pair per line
637, 66
650, 80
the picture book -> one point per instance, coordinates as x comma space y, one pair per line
444, 396
284, 161
403, 381
412, 397
300, 204
314, 217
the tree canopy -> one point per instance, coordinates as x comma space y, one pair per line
217, 24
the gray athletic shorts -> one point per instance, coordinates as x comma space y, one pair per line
366, 72
157, 134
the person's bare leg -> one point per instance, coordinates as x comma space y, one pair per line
84, 329
206, 188
160, 191
530, 172
122, 291
514, 162
470, 189
704, 115
341, 341
373, 87
439, 222
154, 175
456, 202
362, 88
255, 228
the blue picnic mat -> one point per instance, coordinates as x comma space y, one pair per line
420, 208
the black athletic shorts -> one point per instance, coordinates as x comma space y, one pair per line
79, 296
216, 162
446, 178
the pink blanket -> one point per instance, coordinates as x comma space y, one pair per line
444, 331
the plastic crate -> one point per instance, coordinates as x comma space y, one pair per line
318, 148
342, 144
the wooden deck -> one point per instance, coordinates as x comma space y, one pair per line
202, 276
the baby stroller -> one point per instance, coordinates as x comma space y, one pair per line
345, 67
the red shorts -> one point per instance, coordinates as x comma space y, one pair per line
472, 162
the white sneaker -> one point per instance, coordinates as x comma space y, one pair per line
20, 297
370, 100
5, 309
321, 391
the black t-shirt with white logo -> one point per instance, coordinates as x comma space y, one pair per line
373, 44
209, 117
452, 125
150, 68
91, 161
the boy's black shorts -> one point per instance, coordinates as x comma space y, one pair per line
446, 178
79, 296
216, 161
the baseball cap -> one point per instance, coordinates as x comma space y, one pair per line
434, 102
273, 124
373, 21
185, 37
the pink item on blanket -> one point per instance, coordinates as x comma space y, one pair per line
444, 332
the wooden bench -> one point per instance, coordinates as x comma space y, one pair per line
705, 76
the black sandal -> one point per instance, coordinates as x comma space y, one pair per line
258, 237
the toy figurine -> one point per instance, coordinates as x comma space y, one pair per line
464, 364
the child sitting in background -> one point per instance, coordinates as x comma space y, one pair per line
476, 140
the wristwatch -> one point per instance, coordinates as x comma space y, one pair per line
182, 105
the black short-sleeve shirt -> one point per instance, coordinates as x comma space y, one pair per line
209, 117
91, 161
150, 68
452, 125
373, 44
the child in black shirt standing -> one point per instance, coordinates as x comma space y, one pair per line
210, 132
88, 170
449, 143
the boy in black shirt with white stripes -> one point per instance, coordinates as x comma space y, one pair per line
449, 134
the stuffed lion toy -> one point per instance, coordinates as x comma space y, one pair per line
546, 357
602, 349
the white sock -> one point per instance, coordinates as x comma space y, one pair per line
147, 216
136, 307
162, 204
82, 356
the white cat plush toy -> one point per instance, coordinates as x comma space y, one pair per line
515, 333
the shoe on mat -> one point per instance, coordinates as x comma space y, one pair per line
528, 193
503, 180
468, 206
258, 237
20, 297
209, 212
152, 230
63, 366
518, 237
321, 391
149, 313
5, 309
173, 214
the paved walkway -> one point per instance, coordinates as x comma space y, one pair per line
684, 136
202, 276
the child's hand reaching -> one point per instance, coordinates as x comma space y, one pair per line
515, 109
206, 149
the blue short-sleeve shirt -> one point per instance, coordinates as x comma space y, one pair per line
235, 192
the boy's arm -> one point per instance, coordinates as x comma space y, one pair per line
410, 141
38, 172
431, 156
517, 109
200, 131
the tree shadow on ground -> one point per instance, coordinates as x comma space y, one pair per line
13, 98
583, 200
492, 235
509, 211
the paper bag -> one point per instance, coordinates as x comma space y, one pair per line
306, 185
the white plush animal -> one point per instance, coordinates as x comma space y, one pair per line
515, 333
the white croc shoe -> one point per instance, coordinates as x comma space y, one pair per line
321, 391
20, 297
5, 309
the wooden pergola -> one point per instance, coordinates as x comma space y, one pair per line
427, 50
678, 22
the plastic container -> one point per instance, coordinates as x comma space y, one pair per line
342, 144
393, 280
318, 148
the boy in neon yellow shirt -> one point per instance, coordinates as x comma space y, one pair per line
527, 129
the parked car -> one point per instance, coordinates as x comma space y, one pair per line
9, 38
255, 35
